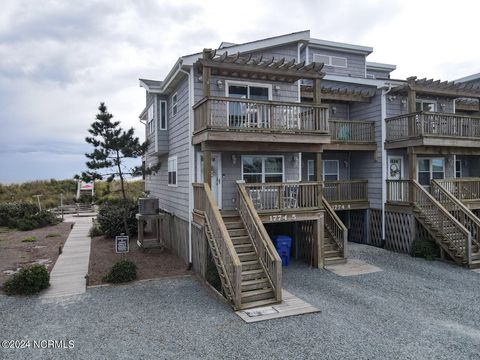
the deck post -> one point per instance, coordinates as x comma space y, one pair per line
318, 237
317, 92
207, 167
206, 73
412, 166
412, 94
318, 175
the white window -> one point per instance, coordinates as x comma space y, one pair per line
311, 170
330, 170
150, 120
162, 116
174, 104
172, 171
328, 60
426, 105
262, 169
430, 168
458, 168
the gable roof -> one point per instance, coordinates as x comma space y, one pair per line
339, 46
469, 78
380, 66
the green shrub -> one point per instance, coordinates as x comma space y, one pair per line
122, 271
95, 231
425, 249
110, 218
28, 281
29, 239
52, 235
24, 216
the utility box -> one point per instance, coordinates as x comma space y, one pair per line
148, 206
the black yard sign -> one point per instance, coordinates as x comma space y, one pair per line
121, 244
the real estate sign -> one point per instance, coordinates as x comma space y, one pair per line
121, 244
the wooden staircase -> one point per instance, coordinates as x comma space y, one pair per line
331, 252
335, 237
256, 288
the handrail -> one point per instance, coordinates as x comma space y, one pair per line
433, 124
462, 188
224, 113
335, 227
288, 196
398, 191
223, 243
264, 248
350, 131
345, 191
462, 213
443, 221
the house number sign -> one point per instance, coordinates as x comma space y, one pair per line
277, 218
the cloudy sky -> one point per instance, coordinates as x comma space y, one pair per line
59, 59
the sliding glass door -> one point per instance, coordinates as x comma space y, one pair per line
245, 114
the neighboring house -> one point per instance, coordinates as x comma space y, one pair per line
292, 135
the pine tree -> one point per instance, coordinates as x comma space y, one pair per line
112, 146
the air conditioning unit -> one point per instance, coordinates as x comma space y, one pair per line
148, 206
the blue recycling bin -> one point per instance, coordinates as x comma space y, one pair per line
283, 244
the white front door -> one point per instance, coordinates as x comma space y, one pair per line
216, 175
395, 168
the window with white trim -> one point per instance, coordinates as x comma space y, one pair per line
150, 120
174, 104
328, 60
330, 170
262, 169
426, 105
310, 170
162, 116
172, 171
430, 168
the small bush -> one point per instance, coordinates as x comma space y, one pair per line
53, 235
122, 271
110, 218
95, 231
425, 249
29, 239
28, 281
25, 216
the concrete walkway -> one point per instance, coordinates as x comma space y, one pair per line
68, 274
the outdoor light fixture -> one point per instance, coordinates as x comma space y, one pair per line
443, 105
404, 102
234, 159
220, 84
391, 98
334, 110
277, 88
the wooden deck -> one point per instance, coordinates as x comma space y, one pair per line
352, 135
290, 306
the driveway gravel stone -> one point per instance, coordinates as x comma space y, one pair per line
413, 309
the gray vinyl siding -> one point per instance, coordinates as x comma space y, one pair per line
174, 199
232, 172
342, 111
379, 74
289, 52
395, 106
363, 164
355, 62
343, 158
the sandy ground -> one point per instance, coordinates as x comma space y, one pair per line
151, 263
15, 254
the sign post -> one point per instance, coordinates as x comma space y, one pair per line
121, 244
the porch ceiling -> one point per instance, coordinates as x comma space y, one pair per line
439, 88
258, 68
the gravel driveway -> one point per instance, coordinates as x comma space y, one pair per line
414, 309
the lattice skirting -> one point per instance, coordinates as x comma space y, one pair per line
398, 231
357, 229
375, 225
305, 240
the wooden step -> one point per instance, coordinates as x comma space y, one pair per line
255, 295
237, 232
247, 256
476, 256
260, 303
251, 265
335, 260
253, 274
475, 264
255, 284
234, 225
237, 240
332, 254
242, 248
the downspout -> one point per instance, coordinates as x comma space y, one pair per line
190, 159
384, 155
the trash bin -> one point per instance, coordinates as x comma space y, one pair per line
283, 244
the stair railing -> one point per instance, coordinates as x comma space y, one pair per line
459, 211
337, 230
460, 240
227, 255
267, 254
